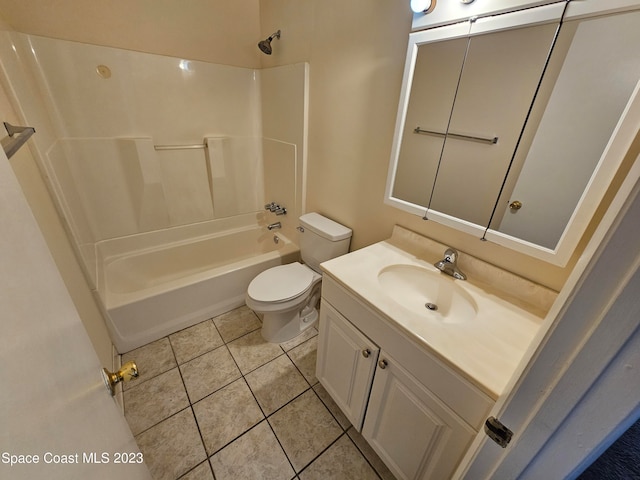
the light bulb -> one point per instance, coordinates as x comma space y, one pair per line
423, 6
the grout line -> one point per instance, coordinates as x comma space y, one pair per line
296, 365
265, 417
292, 400
196, 466
158, 423
236, 438
322, 452
204, 447
327, 407
362, 453
193, 413
282, 446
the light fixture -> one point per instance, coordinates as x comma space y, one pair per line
423, 6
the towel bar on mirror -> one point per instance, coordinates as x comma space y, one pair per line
472, 138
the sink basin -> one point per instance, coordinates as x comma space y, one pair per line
427, 293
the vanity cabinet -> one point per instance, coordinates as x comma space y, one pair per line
346, 364
414, 433
416, 413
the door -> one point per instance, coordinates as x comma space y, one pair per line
346, 372
58, 420
580, 387
417, 436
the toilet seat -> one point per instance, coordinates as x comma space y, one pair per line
281, 283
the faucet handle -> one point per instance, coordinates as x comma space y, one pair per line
451, 255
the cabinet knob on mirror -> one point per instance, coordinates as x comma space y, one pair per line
366, 352
383, 364
515, 205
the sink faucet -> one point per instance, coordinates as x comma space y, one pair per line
448, 264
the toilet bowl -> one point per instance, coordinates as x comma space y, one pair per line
287, 296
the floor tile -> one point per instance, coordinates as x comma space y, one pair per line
225, 414
341, 460
152, 360
255, 455
332, 406
237, 323
154, 400
303, 337
276, 383
209, 372
194, 341
252, 351
305, 428
225, 410
370, 455
201, 472
304, 356
172, 447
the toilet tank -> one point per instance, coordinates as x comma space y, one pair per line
322, 239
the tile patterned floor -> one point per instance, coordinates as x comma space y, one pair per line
215, 401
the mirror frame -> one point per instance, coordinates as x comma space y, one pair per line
623, 134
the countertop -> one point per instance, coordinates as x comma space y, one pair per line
487, 349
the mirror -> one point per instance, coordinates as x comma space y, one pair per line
478, 134
432, 94
593, 72
499, 78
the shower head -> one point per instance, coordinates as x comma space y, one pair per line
265, 45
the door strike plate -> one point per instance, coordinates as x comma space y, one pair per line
497, 432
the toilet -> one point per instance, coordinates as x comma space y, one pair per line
287, 295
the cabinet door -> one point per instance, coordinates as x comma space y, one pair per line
416, 435
346, 363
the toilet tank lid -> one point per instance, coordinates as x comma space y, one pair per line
325, 227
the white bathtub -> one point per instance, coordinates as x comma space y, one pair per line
152, 292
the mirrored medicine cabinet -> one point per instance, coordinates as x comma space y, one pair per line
511, 127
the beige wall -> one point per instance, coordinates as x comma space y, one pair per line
356, 52
220, 31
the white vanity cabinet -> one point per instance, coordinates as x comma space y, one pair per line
345, 364
416, 413
415, 434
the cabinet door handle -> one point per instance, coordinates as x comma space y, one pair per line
366, 352
383, 364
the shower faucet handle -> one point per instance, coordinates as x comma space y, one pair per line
273, 207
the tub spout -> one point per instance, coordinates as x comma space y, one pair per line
274, 226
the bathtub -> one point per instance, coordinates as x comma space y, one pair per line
149, 293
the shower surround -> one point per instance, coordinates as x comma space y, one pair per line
149, 153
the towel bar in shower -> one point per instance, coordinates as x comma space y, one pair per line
17, 137
196, 146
